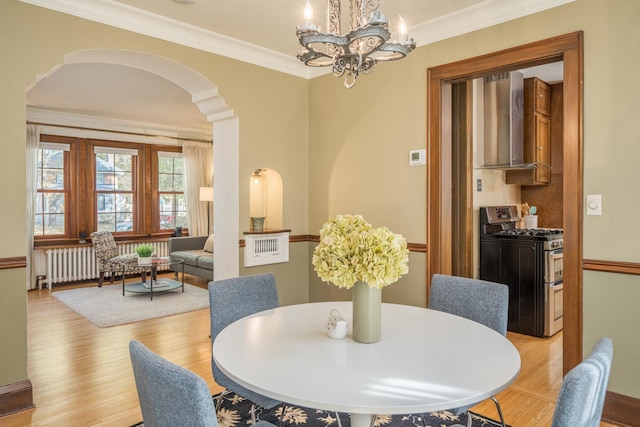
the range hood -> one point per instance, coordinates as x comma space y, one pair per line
503, 121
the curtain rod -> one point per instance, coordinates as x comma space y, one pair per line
121, 132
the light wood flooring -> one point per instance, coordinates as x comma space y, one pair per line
82, 376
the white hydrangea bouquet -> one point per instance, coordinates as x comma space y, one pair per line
351, 250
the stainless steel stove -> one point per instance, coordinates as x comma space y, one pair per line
529, 261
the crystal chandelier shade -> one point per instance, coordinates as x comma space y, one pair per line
357, 51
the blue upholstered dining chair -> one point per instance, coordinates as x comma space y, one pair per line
171, 395
231, 300
478, 300
583, 390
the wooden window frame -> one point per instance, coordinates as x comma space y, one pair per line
155, 197
80, 199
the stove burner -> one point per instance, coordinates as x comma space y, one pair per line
535, 232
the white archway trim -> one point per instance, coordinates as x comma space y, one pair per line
226, 137
203, 92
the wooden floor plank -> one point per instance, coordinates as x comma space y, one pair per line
82, 376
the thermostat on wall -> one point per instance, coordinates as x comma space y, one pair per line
418, 157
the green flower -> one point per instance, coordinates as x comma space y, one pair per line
351, 250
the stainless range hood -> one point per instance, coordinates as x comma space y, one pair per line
503, 121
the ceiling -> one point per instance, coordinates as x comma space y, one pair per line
253, 31
271, 24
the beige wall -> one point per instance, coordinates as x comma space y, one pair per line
356, 156
272, 108
291, 277
360, 139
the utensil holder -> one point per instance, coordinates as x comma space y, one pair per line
531, 221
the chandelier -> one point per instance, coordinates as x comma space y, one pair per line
357, 51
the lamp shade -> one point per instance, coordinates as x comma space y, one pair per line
206, 194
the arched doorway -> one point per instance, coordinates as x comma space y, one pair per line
204, 94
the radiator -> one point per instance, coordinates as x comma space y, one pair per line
79, 263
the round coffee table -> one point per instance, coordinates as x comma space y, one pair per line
154, 285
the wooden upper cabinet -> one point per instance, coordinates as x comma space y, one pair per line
537, 135
541, 93
541, 148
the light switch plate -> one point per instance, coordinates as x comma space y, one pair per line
594, 204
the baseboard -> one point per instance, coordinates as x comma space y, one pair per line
621, 410
16, 397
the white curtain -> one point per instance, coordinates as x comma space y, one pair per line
33, 139
198, 172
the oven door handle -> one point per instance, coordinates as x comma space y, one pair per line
553, 256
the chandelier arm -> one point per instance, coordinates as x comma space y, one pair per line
395, 51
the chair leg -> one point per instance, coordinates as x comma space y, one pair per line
282, 414
219, 402
100, 279
254, 418
499, 410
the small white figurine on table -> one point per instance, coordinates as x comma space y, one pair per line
336, 325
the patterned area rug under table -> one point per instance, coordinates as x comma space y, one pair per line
235, 411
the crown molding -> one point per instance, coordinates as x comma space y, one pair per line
482, 15
87, 126
110, 12
139, 21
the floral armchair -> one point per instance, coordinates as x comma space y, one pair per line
108, 259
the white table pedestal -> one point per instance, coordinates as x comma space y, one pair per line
361, 420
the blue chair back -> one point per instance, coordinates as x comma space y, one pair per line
478, 300
583, 390
231, 300
170, 395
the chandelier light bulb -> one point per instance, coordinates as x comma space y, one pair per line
307, 25
402, 30
308, 12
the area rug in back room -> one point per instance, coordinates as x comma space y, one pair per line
106, 306
235, 411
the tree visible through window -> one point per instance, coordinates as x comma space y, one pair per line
173, 210
50, 198
115, 192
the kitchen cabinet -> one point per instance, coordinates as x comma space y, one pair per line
537, 135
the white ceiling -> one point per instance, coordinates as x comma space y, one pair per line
255, 31
271, 24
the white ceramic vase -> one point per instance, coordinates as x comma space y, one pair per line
367, 308
144, 260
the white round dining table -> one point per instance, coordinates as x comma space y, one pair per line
425, 361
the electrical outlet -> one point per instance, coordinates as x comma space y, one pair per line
478, 184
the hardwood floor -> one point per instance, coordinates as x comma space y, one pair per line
82, 376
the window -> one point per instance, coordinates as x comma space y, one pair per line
172, 207
114, 189
52, 187
87, 185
